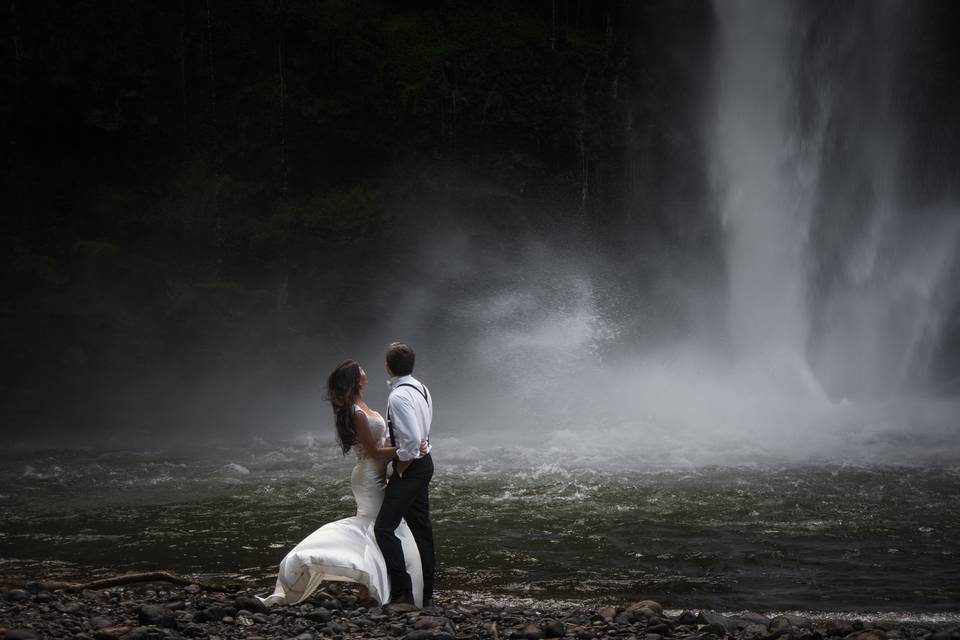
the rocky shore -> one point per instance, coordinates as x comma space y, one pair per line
160, 612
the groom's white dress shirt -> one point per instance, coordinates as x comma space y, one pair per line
410, 414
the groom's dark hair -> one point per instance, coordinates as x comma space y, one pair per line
400, 358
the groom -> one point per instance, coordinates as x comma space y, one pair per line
409, 413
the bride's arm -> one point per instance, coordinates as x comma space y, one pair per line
366, 440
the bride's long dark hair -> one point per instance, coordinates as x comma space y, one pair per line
343, 389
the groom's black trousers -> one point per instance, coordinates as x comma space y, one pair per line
407, 498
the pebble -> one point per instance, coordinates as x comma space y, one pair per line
607, 613
653, 605
839, 628
687, 617
320, 614
752, 618
251, 604
155, 614
554, 629
429, 622
787, 621
100, 622
113, 614
723, 622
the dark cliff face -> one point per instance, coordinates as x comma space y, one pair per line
206, 204
194, 188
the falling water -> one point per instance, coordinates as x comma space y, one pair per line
764, 202
853, 294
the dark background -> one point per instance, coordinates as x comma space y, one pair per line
206, 203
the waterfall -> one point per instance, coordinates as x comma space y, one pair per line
853, 291
762, 198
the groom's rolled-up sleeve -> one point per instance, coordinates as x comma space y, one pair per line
405, 428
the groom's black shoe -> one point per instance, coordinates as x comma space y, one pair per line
401, 603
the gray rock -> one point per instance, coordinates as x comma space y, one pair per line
531, 632
429, 622
420, 634
708, 618
158, 615
607, 613
331, 603
106, 633
18, 595
305, 636
214, 613
251, 604
21, 634
69, 607
653, 605
194, 630
715, 628
662, 629
687, 618
839, 628
335, 628
319, 614
554, 629
746, 619
786, 621
99, 622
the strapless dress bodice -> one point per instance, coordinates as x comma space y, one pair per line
369, 476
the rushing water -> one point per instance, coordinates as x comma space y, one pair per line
514, 522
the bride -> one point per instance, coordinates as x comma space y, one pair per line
347, 550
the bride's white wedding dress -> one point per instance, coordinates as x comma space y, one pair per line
347, 550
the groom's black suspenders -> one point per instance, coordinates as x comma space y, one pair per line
423, 392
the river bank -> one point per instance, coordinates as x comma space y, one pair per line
158, 611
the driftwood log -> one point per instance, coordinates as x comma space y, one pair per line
133, 578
